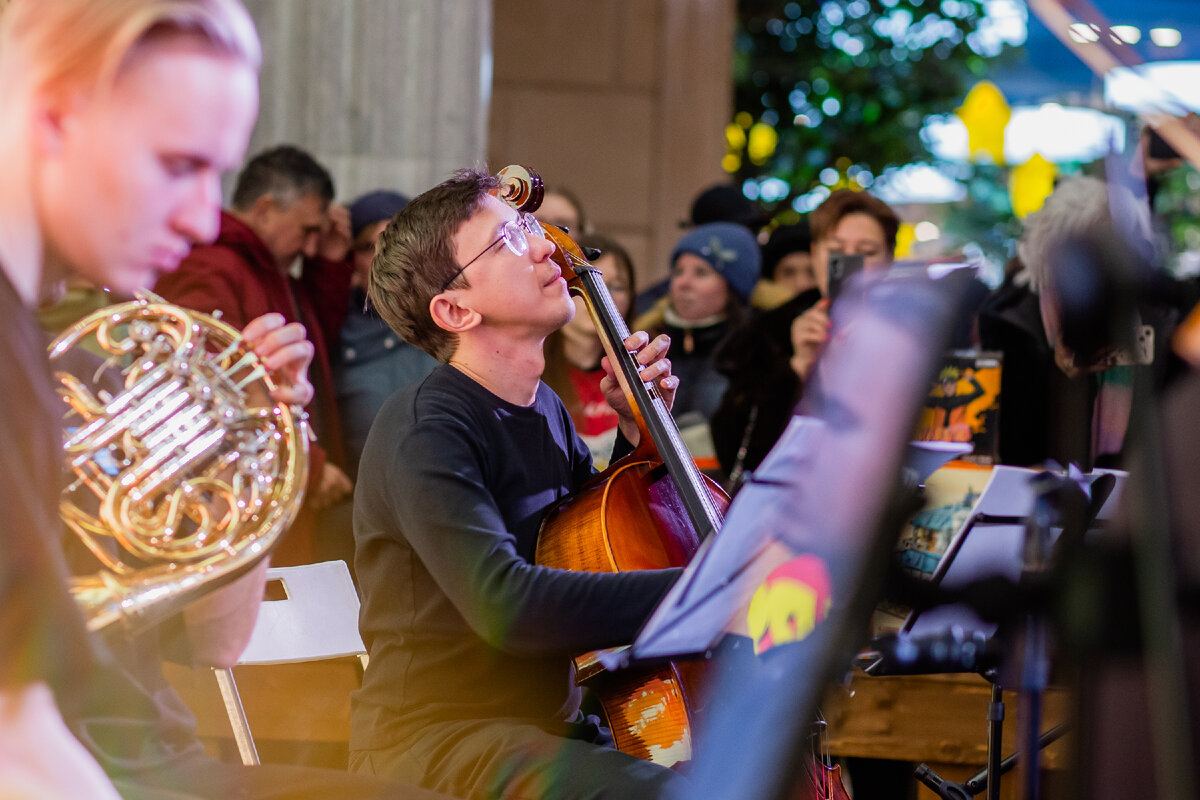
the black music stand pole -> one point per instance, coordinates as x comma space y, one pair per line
1035, 661
995, 739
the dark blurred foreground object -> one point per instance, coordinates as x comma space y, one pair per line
1130, 614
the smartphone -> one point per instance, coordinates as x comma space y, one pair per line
841, 267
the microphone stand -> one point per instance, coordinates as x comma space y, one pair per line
948, 790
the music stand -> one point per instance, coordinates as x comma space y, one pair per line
822, 492
953, 637
998, 521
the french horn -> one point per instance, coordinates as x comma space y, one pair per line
181, 471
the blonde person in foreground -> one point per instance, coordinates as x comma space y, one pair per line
119, 118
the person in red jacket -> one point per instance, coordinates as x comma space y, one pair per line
283, 247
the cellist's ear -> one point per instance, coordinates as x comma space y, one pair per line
451, 315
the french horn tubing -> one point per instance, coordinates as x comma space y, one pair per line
181, 471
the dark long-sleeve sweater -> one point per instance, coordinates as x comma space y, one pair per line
459, 622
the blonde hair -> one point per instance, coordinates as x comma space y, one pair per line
56, 45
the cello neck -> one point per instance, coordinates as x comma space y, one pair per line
653, 417
522, 188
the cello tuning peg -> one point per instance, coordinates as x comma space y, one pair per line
521, 187
591, 253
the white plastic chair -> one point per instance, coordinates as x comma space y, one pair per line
317, 619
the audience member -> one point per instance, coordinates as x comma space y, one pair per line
787, 266
372, 360
281, 213
1059, 403
788, 258
713, 270
719, 203
767, 360
560, 207
120, 118
850, 222
573, 352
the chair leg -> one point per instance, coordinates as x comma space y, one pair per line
237, 716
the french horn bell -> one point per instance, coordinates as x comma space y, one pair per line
181, 471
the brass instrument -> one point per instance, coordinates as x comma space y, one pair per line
183, 472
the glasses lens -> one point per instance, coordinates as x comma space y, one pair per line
531, 225
514, 238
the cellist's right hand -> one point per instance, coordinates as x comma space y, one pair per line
656, 369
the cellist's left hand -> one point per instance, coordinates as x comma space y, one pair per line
656, 369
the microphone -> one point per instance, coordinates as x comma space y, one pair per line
952, 650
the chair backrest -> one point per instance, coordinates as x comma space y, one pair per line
317, 618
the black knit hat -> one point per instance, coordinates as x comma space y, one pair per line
726, 203
373, 207
785, 240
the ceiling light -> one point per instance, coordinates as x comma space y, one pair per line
1165, 37
1084, 33
1060, 134
1156, 87
1129, 34
926, 231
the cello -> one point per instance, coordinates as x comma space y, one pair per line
648, 510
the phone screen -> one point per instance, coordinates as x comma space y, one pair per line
841, 267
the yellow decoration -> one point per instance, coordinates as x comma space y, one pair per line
761, 145
735, 137
1030, 184
906, 236
731, 162
985, 113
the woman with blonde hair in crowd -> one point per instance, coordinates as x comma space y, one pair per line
573, 352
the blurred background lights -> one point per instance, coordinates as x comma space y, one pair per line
1166, 37
926, 231
918, 183
1084, 33
810, 200
1061, 134
1130, 34
1172, 86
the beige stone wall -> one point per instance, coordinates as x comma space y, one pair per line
624, 102
385, 93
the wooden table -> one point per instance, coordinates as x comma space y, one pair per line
939, 720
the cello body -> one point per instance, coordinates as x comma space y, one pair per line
631, 517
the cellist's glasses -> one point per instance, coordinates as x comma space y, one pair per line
514, 233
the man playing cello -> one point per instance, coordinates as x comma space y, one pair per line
470, 686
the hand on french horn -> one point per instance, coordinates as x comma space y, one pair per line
286, 352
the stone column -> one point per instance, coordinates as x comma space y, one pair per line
624, 102
385, 93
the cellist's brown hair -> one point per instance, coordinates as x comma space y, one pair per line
414, 258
